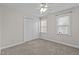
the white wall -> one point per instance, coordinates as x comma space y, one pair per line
31, 30
0, 26
35, 28
69, 40
12, 27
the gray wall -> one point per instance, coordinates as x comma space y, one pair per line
12, 27
51, 35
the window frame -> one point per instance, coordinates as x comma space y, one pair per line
70, 23
42, 26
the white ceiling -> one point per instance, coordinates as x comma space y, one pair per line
33, 8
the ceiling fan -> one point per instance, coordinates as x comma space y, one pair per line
42, 9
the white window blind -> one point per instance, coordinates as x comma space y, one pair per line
63, 24
43, 26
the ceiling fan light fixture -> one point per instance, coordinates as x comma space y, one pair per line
43, 8
46, 5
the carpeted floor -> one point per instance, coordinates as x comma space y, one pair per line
40, 47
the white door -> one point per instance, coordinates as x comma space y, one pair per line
28, 29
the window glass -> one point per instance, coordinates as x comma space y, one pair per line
64, 20
63, 24
43, 26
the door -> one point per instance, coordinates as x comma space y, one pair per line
28, 29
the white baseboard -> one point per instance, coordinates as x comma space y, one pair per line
72, 45
15, 44
11, 45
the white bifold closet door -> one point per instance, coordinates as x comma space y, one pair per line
28, 29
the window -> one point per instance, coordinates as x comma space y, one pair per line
63, 24
43, 26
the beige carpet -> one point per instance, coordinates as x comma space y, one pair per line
40, 47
